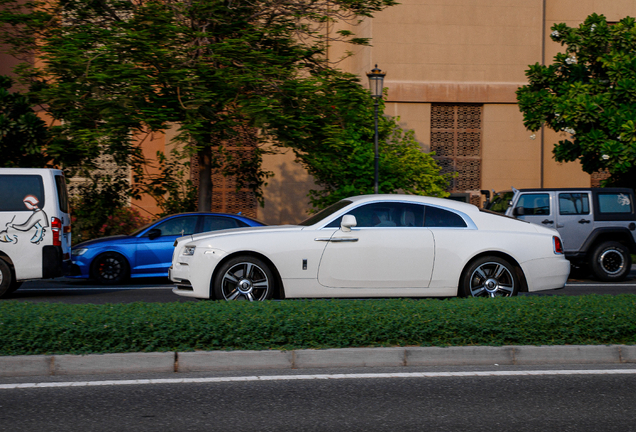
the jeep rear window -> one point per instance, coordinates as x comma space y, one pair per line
14, 188
614, 203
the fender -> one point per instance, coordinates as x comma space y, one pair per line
622, 232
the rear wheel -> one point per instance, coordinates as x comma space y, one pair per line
6, 279
489, 276
611, 261
110, 268
244, 278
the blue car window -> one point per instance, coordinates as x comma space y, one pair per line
184, 225
215, 223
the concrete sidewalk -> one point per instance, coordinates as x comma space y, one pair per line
202, 361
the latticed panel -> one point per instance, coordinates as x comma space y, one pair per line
225, 197
597, 177
456, 140
443, 143
443, 116
469, 144
469, 175
469, 116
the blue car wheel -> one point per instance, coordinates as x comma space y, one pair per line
110, 268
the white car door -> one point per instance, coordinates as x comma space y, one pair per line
389, 248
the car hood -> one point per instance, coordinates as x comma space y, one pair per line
94, 242
239, 231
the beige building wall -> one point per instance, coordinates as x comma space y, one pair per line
467, 51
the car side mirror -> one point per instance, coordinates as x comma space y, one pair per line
518, 211
154, 233
348, 222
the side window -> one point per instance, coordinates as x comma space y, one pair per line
215, 223
614, 203
386, 215
15, 188
437, 217
62, 194
574, 204
535, 204
183, 225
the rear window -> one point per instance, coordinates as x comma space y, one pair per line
614, 203
62, 194
15, 188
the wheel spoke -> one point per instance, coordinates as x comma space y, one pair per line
249, 296
478, 291
499, 271
261, 284
480, 272
507, 289
248, 270
234, 295
230, 277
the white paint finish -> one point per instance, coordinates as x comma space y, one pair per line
385, 261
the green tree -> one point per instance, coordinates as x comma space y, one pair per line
23, 135
333, 139
589, 93
113, 70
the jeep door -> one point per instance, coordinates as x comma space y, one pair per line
574, 218
538, 208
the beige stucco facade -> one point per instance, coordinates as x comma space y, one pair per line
463, 52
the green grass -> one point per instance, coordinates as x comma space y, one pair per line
61, 328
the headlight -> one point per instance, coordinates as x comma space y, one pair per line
189, 250
78, 252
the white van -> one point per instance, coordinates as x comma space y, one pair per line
35, 226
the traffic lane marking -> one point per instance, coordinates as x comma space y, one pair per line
471, 374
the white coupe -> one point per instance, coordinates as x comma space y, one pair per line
374, 246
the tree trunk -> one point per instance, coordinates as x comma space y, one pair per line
205, 179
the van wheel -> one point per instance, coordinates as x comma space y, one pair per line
5, 279
110, 268
611, 261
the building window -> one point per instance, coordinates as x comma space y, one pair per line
456, 141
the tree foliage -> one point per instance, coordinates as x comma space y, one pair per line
589, 94
114, 70
23, 135
333, 139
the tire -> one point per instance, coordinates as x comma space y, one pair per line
6, 278
244, 278
611, 261
14, 286
110, 268
489, 276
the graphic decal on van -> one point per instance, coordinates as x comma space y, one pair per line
38, 221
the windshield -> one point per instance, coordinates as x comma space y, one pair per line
500, 202
325, 213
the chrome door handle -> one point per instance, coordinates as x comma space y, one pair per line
338, 240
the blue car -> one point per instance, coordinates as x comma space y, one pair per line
148, 251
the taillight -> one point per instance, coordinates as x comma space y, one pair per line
56, 228
558, 246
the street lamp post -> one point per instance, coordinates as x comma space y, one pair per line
376, 85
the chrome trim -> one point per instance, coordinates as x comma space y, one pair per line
338, 239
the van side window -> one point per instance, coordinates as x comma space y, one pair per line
574, 204
62, 194
15, 187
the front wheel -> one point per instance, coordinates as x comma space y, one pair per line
6, 279
110, 269
489, 276
611, 261
244, 278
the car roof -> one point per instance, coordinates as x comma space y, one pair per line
442, 202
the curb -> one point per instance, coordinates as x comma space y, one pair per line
211, 361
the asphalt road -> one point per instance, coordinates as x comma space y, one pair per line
158, 290
505, 400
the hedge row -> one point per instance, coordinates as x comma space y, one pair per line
60, 328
